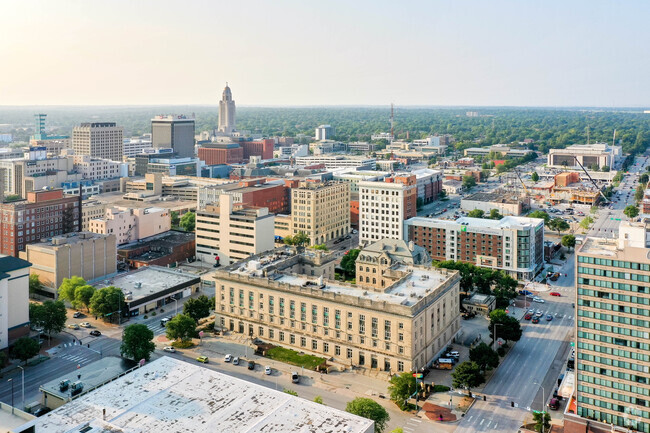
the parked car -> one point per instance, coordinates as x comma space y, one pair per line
202, 359
164, 321
554, 404
227, 358
95, 333
555, 294
73, 326
77, 314
251, 365
525, 292
235, 360
535, 319
528, 316
554, 277
540, 300
85, 325
549, 317
531, 311
169, 349
268, 370
295, 378
539, 313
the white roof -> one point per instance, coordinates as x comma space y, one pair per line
170, 395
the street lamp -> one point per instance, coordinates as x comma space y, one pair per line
22, 370
12, 395
494, 340
543, 402
176, 307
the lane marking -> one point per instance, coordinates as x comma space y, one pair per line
495, 425
482, 421
488, 424
470, 418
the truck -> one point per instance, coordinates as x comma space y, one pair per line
445, 364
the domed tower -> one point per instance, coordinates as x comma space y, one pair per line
226, 112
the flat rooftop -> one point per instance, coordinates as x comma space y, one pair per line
169, 239
117, 199
600, 246
491, 197
507, 222
148, 280
170, 395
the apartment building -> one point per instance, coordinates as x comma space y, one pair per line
290, 300
384, 206
99, 140
512, 244
612, 351
130, 224
137, 145
99, 168
226, 233
321, 210
14, 293
90, 256
43, 214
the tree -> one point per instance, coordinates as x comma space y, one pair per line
508, 328
107, 301
50, 315
586, 222
644, 178
34, 283
484, 356
137, 342
188, 221
3, 360
82, 296
419, 203
401, 388
318, 399
69, 286
442, 194
495, 215
542, 421
605, 168
25, 348
467, 375
198, 308
321, 247
476, 213
181, 327
175, 219
559, 225
569, 241
534, 177
349, 260
300, 239
469, 182
639, 193
631, 211
290, 392
370, 409
541, 215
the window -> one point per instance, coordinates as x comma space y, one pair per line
314, 344
271, 305
362, 324
261, 331
349, 353
292, 339
337, 319
374, 327
400, 366
281, 336
303, 311
387, 334
337, 350
303, 341
326, 318
271, 333
326, 347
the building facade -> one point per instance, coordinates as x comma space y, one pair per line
87, 255
337, 161
129, 224
227, 114
14, 293
384, 206
589, 155
99, 139
286, 299
221, 153
43, 214
99, 168
324, 132
512, 244
175, 132
226, 234
321, 210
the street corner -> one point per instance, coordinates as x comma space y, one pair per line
438, 413
162, 338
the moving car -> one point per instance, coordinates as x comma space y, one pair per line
539, 313
203, 359
77, 314
555, 294
235, 360
251, 365
525, 292
227, 358
169, 349
73, 326
164, 321
95, 333
85, 325
540, 300
294, 377
267, 370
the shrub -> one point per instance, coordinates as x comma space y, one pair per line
440, 388
183, 344
501, 351
146, 317
153, 314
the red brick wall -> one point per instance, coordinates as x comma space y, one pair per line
276, 198
39, 196
354, 214
263, 148
213, 156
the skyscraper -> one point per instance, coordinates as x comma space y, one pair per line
175, 132
226, 112
99, 139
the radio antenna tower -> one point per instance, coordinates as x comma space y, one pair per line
392, 120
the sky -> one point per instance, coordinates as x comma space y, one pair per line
337, 52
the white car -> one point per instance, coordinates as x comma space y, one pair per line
169, 349
267, 370
540, 300
235, 360
227, 358
85, 325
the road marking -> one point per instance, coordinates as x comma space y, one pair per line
470, 418
488, 424
482, 421
415, 420
495, 425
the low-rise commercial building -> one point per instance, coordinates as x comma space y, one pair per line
514, 245
166, 249
286, 299
90, 256
14, 296
274, 195
486, 201
452, 186
98, 168
480, 304
337, 161
226, 233
129, 224
500, 149
589, 155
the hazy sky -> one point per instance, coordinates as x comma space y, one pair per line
326, 52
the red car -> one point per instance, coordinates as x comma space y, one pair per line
555, 294
528, 317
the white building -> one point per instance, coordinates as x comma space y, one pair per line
597, 154
128, 224
99, 168
292, 151
324, 132
337, 161
227, 115
14, 299
382, 136
137, 145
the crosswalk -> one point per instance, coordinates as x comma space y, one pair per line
412, 425
557, 316
156, 328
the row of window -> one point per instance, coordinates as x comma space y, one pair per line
612, 329
614, 318
613, 419
614, 396
614, 263
617, 352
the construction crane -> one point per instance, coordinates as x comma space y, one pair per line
590, 178
522, 182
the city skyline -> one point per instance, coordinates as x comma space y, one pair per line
371, 53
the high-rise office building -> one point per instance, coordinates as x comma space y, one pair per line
227, 112
173, 132
612, 350
99, 139
324, 132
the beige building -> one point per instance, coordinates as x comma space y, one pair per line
17, 176
282, 226
227, 233
99, 140
480, 304
90, 256
288, 299
99, 168
14, 299
612, 359
321, 210
376, 262
128, 224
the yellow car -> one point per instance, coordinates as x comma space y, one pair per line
203, 359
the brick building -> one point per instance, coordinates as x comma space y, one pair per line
226, 153
274, 195
43, 214
162, 250
262, 148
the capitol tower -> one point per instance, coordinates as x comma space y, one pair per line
226, 112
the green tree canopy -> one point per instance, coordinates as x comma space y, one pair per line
188, 221
300, 239
643, 178
495, 215
198, 308
542, 421
82, 296
569, 241
559, 225
467, 375
69, 286
137, 342
370, 409
181, 327
175, 219
349, 260
541, 215
401, 387
534, 177
321, 247
476, 213
34, 283
25, 348
631, 211
50, 315
484, 356
107, 301
469, 182
507, 327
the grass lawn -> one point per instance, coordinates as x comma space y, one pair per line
292, 357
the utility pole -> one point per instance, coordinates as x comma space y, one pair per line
22, 370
